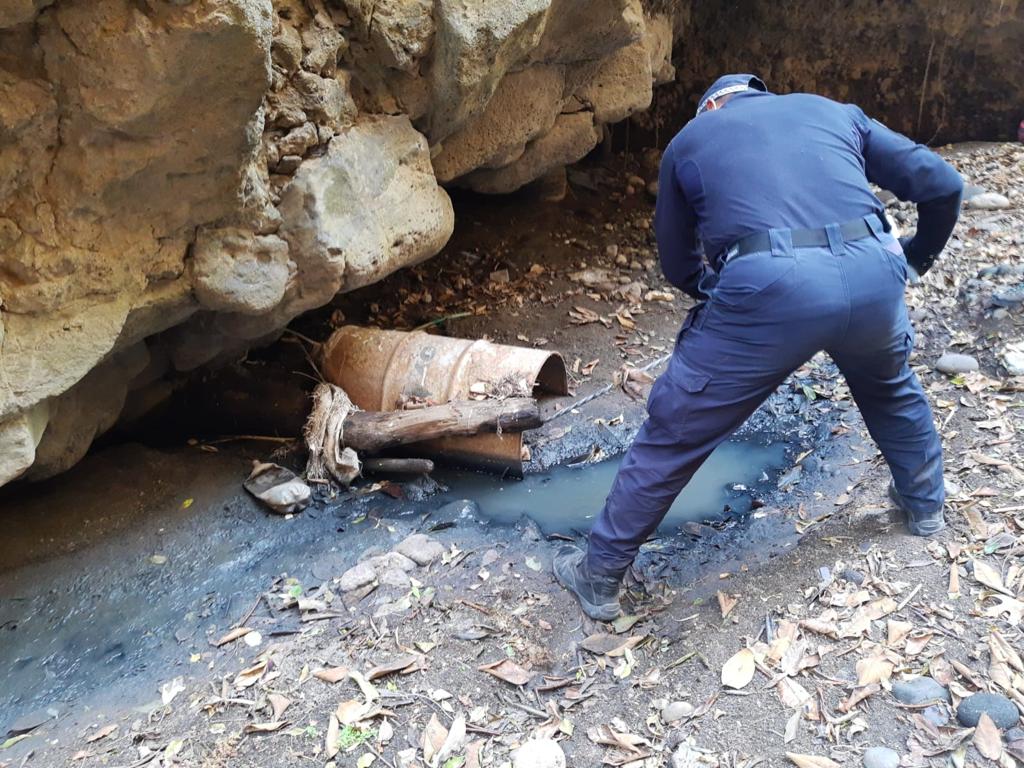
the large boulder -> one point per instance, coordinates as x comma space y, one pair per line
179, 180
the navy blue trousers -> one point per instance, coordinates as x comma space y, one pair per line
769, 314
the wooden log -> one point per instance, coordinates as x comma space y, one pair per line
398, 466
372, 431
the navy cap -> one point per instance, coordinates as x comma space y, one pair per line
727, 84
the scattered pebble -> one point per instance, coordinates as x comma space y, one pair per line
1013, 359
1008, 297
881, 757
421, 549
954, 363
676, 711
935, 715
395, 577
987, 201
1002, 711
359, 575
919, 690
539, 753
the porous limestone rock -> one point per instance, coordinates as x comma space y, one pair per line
571, 137
369, 205
622, 85
490, 140
179, 180
235, 270
477, 42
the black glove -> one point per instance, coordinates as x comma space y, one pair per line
921, 264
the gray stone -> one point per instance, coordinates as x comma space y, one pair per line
676, 711
1009, 297
421, 549
1003, 712
539, 753
1015, 734
935, 715
987, 201
954, 363
881, 757
388, 560
357, 576
395, 577
919, 690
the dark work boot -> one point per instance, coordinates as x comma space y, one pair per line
598, 593
919, 523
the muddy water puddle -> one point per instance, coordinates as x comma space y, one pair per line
114, 575
566, 499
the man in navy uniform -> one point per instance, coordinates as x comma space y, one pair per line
765, 215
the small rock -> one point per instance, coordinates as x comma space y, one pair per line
952, 487
359, 575
636, 181
1009, 297
611, 251
935, 715
1000, 314
856, 577
395, 577
987, 201
1002, 711
539, 753
381, 563
954, 363
421, 549
972, 190
881, 757
652, 188
622, 260
919, 690
1015, 734
500, 276
676, 711
1013, 359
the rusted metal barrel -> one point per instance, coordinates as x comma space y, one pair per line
382, 370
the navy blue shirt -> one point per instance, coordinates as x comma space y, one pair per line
764, 161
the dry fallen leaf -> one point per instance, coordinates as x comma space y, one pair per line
333, 732
792, 694
264, 727
987, 575
604, 643
102, 733
508, 671
331, 675
726, 603
987, 738
403, 664
434, 736
231, 636
738, 671
811, 761
874, 669
171, 689
278, 704
250, 675
896, 631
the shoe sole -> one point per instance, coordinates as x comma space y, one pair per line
598, 612
924, 528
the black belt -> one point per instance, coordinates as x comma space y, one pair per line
802, 238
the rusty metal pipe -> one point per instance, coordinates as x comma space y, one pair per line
382, 370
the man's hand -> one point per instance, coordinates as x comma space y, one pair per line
918, 265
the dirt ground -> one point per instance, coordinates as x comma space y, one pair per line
719, 661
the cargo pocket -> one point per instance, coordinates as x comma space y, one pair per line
673, 395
